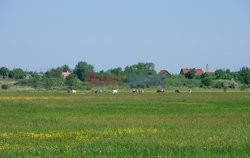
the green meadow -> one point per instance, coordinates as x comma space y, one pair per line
57, 124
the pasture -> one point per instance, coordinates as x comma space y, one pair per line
57, 124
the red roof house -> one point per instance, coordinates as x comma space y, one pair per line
186, 70
164, 72
66, 74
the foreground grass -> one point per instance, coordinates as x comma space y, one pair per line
55, 124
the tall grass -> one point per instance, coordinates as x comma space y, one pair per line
56, 124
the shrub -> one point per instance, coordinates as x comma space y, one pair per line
88, 88
219, 85
181, 81
5, 86
243, 87
71, 82
206, 81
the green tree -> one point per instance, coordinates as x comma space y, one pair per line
4, 71
141, 69
219, 84
223, 74
54, 73
244, 75
48, 83
207, 81
82, 68
66, 68
71, 81
191, 74
17, 74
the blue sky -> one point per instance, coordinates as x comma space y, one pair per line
40, 34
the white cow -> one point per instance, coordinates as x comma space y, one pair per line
114, 91
141, 91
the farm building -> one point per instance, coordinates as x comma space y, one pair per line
186, 70
65, 74
164, 72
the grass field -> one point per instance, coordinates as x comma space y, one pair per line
56, 124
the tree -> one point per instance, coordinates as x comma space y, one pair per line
117, 71
71, 81
244, 75
66, 68
219, 84
4, 71
191, 74
54, 73
207, 81
223, 74
17, 74
82, 68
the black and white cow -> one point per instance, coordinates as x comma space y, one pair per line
160, 90
98, 91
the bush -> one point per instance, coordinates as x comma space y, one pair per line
71, 82
219, 85
180, 81
206, 81
17, 74
243, 87
88, 88
5, 86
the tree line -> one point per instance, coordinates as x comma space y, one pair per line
53, 79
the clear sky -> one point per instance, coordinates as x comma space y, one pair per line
40, 34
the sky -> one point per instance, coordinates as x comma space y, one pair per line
40, 34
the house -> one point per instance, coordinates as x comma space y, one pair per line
164, 72
65, 74
186, 70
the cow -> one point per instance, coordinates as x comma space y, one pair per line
72, 91
135, 90
160, 90
141, 91
114, 91
98, 91
190, 91
177, 91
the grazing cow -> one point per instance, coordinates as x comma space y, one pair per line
160, 90
114, 91
177, 91
135, 90
98, 91
141, 91
72, 91
190, 91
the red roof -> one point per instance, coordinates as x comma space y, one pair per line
164, 72
186, 70
66, 74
